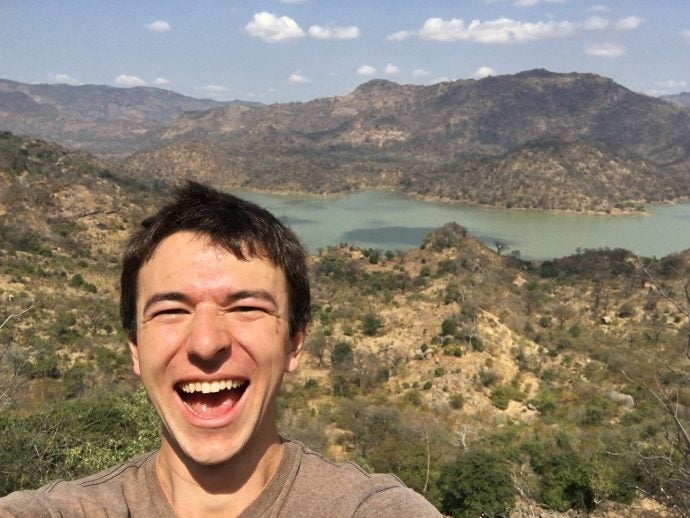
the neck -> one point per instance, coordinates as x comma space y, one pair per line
224, 489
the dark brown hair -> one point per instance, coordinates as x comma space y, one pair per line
239, 226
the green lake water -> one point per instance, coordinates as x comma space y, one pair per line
386, 220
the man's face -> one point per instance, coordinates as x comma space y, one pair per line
212, 345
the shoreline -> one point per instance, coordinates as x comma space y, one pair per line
468, 203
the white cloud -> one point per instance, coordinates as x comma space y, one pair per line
420, 72
215, 89
605, 50
298, 78
598, 9
333, 33
629, 23
64, 78
366, 70
482, 72
399, 36
125, 80
503, 30
531, 3
672, 84
595, 23
158, 26
391, 69
685, 35
161, 81
272, 29
442, 79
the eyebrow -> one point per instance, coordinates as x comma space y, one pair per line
181, 297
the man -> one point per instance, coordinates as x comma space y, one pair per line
215, 302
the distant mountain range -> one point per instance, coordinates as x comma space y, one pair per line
681, 99
534, 140
101, 119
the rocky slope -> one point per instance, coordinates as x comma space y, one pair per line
532, 140
681, 99
101, 119
535, 139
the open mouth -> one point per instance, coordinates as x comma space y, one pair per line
211, 399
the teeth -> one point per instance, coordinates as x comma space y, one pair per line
206, 387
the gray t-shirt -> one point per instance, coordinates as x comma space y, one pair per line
304, 485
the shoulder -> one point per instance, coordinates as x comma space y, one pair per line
347, 487
112, 492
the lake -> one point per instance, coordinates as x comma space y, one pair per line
387, 220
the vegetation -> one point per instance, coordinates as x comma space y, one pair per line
482, 380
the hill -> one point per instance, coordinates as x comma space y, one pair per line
566, 381
532, 140
535, 139
97, 118
681, 99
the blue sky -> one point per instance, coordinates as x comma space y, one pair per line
297, 50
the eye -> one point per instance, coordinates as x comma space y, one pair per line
247, 309
169, 311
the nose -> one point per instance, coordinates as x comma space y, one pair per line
209, 339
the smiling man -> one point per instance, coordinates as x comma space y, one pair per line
215, 302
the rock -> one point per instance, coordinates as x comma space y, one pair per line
624, 399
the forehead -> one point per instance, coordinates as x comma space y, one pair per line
192, 256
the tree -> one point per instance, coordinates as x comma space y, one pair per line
562, 312
371, 324
342, 364
317, 344
477, 484
500, 246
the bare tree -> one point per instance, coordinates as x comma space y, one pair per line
668, 462
500, 246
9, 382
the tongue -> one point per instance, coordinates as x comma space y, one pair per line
211, 405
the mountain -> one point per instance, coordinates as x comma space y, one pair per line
681, 99
535, 139
101, 119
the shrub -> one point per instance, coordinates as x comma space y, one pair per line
371, 324
457, 401
477, 484
449, 327
501, 396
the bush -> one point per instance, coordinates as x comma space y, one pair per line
457, 401
501, 396
477, 484
626, 310
449, 327
371, 324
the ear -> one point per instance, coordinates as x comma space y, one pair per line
134, 354
293, 355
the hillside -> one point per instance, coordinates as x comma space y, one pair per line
566, 381
681, 99
536, 140
100, 119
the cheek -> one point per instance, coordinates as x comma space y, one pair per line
262, 341
158, 344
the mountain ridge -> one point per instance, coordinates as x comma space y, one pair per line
428, 141
536, 139
98, 118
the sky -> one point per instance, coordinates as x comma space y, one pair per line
296, 50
